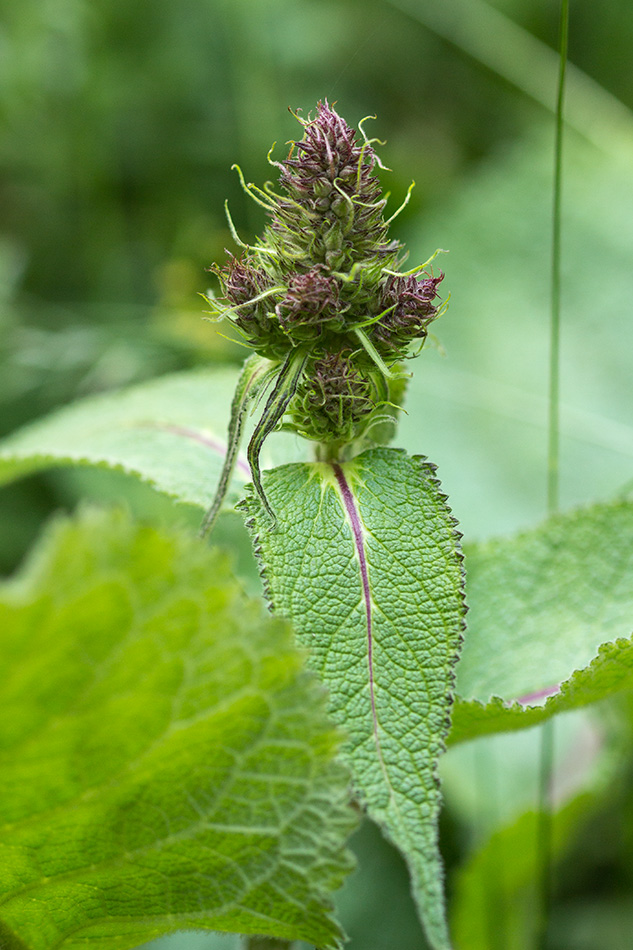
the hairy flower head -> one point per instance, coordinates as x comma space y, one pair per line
311, 305
321, 294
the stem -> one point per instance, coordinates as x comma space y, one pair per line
544, 831
545, 805
329, 452
554, 362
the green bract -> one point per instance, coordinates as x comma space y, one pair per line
321, 301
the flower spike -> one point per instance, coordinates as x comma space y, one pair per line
321, 299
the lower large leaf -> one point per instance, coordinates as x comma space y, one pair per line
165, 762
364, 560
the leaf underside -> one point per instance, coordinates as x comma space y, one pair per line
165, 761
366, 565
550, 621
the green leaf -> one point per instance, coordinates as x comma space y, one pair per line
611, 671
375, 903
365, 563
542, 605
170, 432
165, 762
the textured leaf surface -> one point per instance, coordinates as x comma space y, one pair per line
542, 607
171, 432
365, 563
165, 762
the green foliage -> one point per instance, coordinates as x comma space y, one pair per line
496, 896
480, 410
165, 763
542, 604
159, 431
375, 901
366, 565
569, 553
610, 672
119, 125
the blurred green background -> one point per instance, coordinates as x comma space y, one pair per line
119, 122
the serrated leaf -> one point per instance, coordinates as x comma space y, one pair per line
170, 432
366, 564
165, 762
542, 606
610, 672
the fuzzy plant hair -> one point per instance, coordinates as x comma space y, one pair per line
321, 300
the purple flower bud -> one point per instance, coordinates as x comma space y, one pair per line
320, 290
329, 153
245, 286
311, 304
410, 308
242, 281
334, 207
